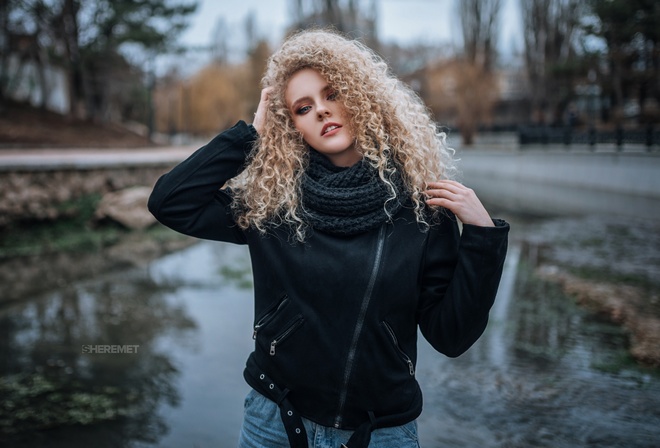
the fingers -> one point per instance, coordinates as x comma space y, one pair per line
460, 200
260, 115
265, 92
450, 185
448, 189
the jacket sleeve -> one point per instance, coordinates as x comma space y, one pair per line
189, 200
459, 283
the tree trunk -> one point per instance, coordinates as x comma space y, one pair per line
80, 104
4, 53
617, 86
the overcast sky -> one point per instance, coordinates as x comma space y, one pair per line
405, 21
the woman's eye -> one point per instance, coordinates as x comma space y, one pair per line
332, 95
303, 110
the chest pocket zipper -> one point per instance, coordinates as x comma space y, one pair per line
290, 329
395, 341
269, 316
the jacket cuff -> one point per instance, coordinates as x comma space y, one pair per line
240, 133
485, 236
500, 227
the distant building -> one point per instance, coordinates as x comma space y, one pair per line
24, 85
26, 77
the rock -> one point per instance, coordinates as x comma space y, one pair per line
127, 207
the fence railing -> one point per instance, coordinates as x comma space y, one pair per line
648, 137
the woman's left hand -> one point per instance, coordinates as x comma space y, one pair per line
460, 200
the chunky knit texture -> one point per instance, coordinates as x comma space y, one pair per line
347, 200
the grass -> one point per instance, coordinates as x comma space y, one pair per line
36, 402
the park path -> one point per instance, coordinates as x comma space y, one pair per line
88, 158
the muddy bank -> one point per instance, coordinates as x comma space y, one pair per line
610, 267
623, 304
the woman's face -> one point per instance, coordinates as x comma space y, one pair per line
320, 118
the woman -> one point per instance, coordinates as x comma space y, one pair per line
352, 246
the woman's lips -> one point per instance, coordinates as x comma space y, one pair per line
330, 129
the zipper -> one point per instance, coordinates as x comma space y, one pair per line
269, 315
358, 326
406, 358
298, 321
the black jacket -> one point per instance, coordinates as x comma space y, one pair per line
336, 316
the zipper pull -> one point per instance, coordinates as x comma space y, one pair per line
410, 367
297, 323
254, 332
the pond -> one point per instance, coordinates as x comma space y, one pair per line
546, 373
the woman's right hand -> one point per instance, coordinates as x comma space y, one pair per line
260, 116
460, 200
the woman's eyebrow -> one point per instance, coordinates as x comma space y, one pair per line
298, 101
327, 88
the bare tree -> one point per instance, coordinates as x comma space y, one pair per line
220, 41
353, 17
549, 28
479, 20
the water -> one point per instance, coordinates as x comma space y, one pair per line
545, 374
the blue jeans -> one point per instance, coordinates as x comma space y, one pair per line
263, 427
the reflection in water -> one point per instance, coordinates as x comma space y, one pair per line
51, 387
545, 374
498, 349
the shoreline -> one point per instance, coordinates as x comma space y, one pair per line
622, 304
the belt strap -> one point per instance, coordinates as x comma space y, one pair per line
293, 424
362, 436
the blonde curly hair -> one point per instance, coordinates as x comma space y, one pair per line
388, 119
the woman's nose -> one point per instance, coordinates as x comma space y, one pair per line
322, 111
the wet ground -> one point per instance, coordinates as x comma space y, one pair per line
547, 372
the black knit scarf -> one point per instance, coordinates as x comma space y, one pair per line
347, 200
